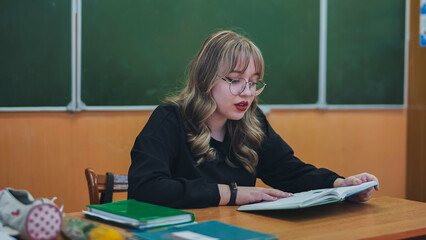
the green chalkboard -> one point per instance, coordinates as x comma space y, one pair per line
135, 52
365, 56
35, 53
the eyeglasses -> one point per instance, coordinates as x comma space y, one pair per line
237, 86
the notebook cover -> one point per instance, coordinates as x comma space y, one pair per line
139, 210
209, 229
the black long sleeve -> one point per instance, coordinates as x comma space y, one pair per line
164, 172
279, 168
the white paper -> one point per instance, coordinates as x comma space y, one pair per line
309, 198
188, 235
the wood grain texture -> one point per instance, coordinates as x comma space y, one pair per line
416, 111
383, 216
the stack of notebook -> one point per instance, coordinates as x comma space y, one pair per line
173, 223
140, 215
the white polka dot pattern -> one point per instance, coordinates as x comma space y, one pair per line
44, 222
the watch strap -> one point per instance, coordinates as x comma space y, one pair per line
233, 188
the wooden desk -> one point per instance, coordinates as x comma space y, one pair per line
379, 218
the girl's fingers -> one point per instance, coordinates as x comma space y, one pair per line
277, 193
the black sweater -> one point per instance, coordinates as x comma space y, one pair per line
164, 172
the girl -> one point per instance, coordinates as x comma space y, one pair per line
207, 146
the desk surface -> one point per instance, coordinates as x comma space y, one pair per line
379, 218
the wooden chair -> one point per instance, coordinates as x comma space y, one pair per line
97, 184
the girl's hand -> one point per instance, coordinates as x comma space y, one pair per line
246, 195
356, 180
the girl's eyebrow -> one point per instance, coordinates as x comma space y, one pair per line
240, 72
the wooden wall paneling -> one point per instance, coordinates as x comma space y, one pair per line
416, 111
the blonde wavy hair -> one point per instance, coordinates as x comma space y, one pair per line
219, 54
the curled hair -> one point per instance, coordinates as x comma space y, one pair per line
219, 54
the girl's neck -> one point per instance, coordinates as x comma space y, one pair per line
217, 126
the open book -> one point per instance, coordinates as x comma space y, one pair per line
309, 198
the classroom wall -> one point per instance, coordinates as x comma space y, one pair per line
46, 153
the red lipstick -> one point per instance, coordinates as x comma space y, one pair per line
242, 106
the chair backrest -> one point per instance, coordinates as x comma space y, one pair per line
97, 184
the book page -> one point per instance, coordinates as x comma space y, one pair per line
345, 192
323, 196
301, 199
309, 198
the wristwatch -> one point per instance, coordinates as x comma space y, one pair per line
234, 188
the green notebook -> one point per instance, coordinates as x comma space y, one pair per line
210, 230
139, 214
